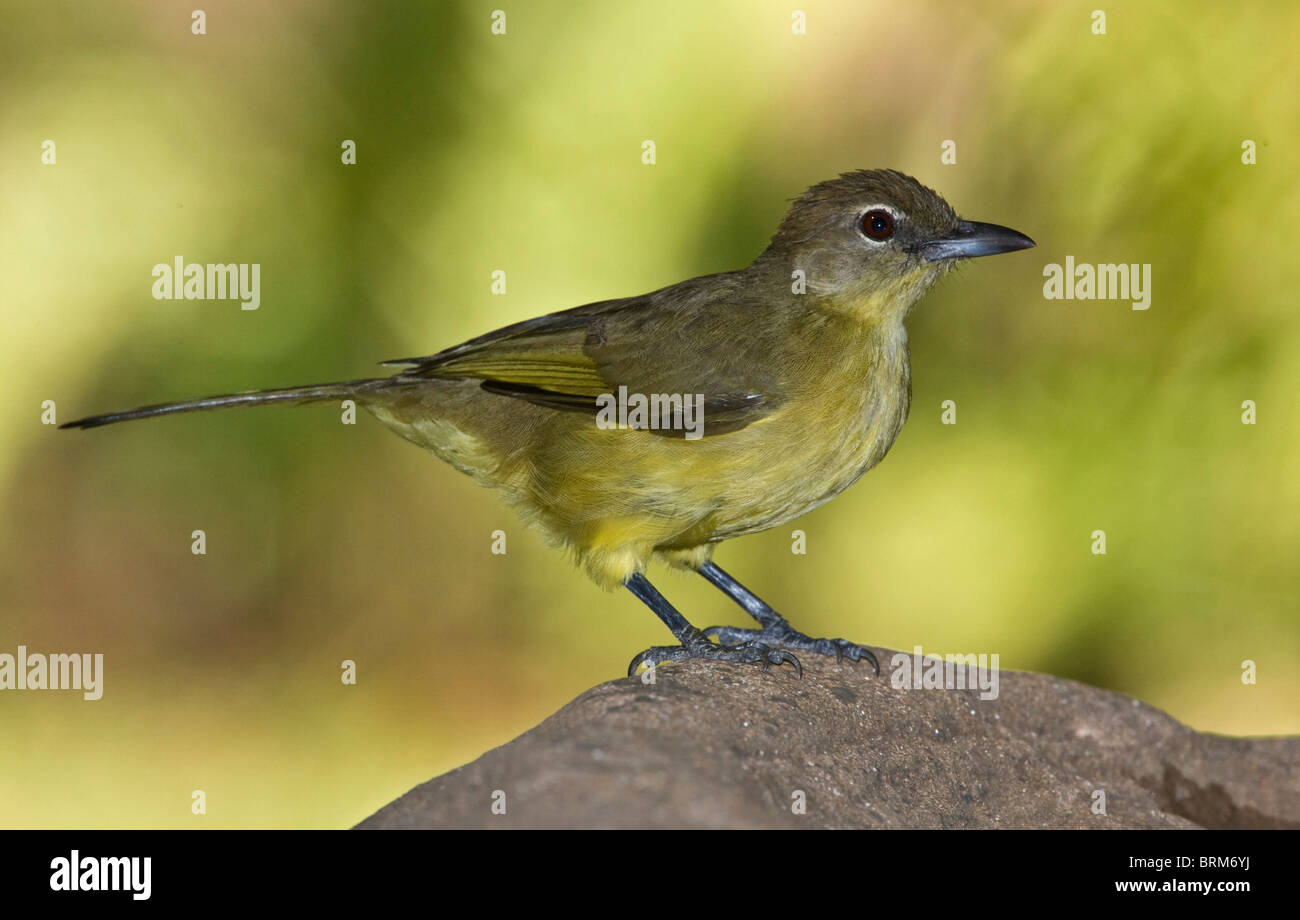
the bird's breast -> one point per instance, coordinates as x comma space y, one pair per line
837, 424
866, 403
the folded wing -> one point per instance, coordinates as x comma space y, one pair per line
651, 345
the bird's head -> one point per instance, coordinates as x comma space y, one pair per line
873, 241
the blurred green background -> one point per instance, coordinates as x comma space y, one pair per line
522, 153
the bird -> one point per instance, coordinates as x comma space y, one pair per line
776, 387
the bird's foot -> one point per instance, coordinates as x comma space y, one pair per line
697, 645
784, 636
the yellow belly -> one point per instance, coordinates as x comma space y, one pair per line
619, 497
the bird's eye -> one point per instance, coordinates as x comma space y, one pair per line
878, 225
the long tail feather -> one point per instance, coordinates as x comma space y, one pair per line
289, 396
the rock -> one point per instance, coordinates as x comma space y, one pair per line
710, 745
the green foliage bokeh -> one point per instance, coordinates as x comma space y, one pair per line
522, 152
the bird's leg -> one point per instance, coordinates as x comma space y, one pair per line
776, 631
694, 644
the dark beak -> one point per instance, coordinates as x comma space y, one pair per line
972, 239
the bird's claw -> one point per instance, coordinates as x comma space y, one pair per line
745, 651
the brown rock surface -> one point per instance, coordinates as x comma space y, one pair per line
712, 745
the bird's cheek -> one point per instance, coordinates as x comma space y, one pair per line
827, 272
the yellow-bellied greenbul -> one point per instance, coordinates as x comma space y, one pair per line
744, 399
